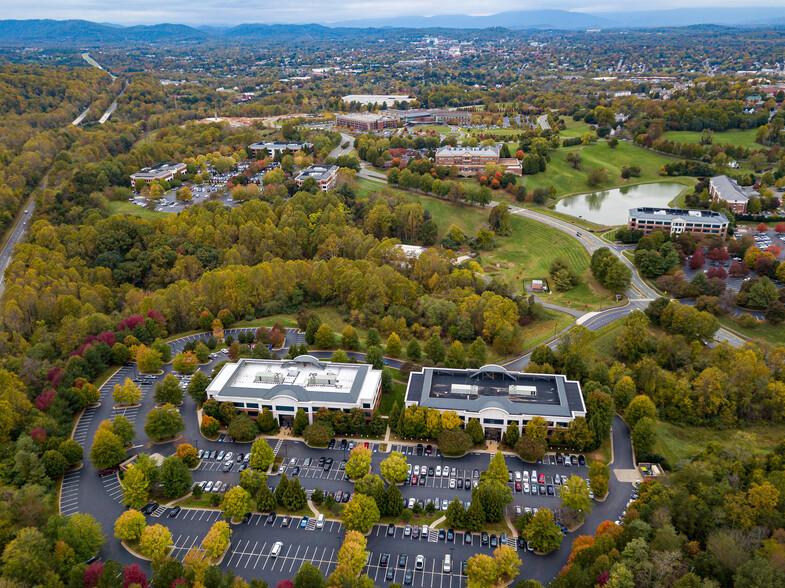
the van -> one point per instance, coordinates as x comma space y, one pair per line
320, 521
276, 549
447, 567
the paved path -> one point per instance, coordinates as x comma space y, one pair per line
6, 253
542, 120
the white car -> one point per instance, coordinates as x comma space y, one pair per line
229, 455
525, 476
518, 476
445, 504
445, 472
438, 470
412, 502
416, 470
526, 488
452, 483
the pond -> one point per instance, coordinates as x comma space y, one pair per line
611, 207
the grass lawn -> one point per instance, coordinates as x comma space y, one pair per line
567, 180
435, 128
606, 338
764, 333
603, 453
575, 128
497, 132
743, 138
133, 210
676, 442
389, 399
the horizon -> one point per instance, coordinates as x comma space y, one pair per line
337, 12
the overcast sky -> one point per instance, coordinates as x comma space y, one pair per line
228, 12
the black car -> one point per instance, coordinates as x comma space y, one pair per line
321, 460
484, 538
344, 443
463, 568
296, 471
402, 560
431, 471
419, 449
494, 540
573, 460
390, 529
346, 497
384, 559
521, 543
247, 517
390, 575
581, 460
442, 534
450, 535
240, 457
422, 480
331, 444
174, 512
460, 483
271, 518
550, 490
327, 466
150, 508
408, 577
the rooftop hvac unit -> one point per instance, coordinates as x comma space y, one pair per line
268, 378
464, 389
323, 380
526, 391
695, 213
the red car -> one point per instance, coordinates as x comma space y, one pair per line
517, 486
541, 478
107, 471
414, 480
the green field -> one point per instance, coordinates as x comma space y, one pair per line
575, 128
568, 180
763, 333
745, 138
676, 442
501, 132
606, 339
133, 210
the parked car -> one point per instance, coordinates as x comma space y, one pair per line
174, 512
467, 538
303, 522
384, 560
419, 562
271, 518
402, 560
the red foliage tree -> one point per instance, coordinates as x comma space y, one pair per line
93, 573
719, 254
44, 399
38, 435
717, 272
780, 228
134, 575
698, 259
738, 270
285, 584
774, 250
762, 228
764, 265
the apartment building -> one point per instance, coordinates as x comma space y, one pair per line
325, 176
725, 188
468, 160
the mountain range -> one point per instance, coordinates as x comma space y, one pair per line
81, 32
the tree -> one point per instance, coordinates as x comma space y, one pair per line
352, 553
475, 515
129, 526
359, 462
210, 426
537, 428
266, 421
474, 430
294, 498
168, 391
434, 349
163, 422
361, 513
123, 428
127, 393
394, 345
374, 356
175, 477
217, 539
599, 478
107, 449
623, 392
197, 387
185, 363
512, 434
394, 502
266, 501
318, 434
542, 531
237, 503
413, 351
262, 455
508, 563
252, 480
395, 469
531, 450
188, 454
148, 360
324, 338
481, 571
349, 338
300, 422
27, 558
155, 542
497, 468
242, 428
136, 487
644, 435
456, 514
454, 442
308, 576
82, 533
575, 496
641, 406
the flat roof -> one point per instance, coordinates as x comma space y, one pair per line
388, 99
317, 172
278, 145
159, 170
366, 116
493, 386
304, 379
487, 150
660, 214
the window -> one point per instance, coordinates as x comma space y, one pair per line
252, 405
366, 405
493, 421
239, 404
284, 408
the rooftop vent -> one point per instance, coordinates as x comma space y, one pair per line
328, 379
525, 391
464, 389
268, 378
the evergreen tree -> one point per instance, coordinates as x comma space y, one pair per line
456, 514
294, 497
395, 417
373, 339
280, 491
434, 349
300, 422
413, 351
475, 515
394, 501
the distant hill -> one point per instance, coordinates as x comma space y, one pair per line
83, 32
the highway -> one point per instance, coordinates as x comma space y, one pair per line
542, 120
16, 235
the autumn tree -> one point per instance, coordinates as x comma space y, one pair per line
217, 539
127, 392
394, 468
262, 455
129, 526
188, 454
542, 532
164, 422
82, 532
361, 513
237, 503
136, 487
575, 497
185, 363
359, 462
599, 478
107, 449
155, 542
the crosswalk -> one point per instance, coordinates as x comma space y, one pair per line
433, 536
278, 446
158, 512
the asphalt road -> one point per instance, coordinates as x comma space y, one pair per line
249, 556
16, 235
